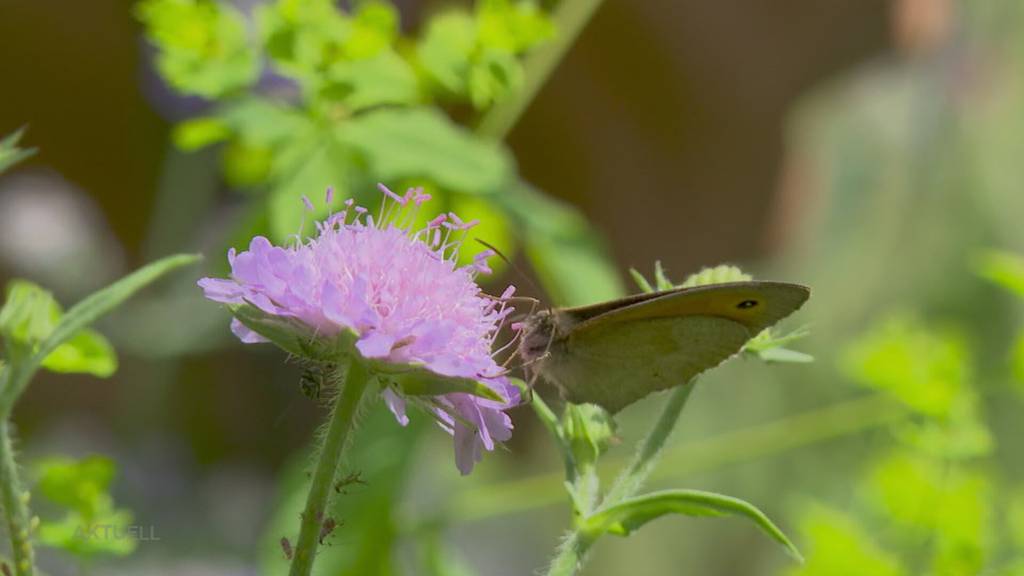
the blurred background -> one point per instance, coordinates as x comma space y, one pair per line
868, 149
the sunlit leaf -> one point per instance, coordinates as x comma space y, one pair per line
91, 524
399, 144
375, 81
1004, 268
629, 515
926, 368
197, 133
446, 50
838, 546
30, 315
203, 47
86, 352
570, 259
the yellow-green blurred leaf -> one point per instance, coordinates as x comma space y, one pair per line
86, 352
1003, 268
927, 368
839, 546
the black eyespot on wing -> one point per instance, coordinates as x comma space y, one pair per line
747, 304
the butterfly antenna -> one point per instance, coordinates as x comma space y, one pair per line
519, 271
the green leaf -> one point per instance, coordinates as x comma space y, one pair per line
1015, 517
307, 167
10, 154
1003, 268
86, 352
512, 26
423, 143
79, 485
379, 80
80, 316
264, 122
30, 315
203, 46
629, 515
1017, 361
840, 547
931, 499
493, 75
768, 347
91, 525
924, 367
418, 381
199, 133
446, 50
570, 259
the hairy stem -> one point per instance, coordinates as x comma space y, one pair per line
15, 507
570, 18
338, 431
633, 477
571, 553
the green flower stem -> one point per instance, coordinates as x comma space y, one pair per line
571, 17
338, 432
571, 553
633, 477
15, 507
573, 550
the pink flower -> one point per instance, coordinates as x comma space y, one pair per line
404, 297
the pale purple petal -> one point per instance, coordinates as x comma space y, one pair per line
396, 404
245, 334
401, 293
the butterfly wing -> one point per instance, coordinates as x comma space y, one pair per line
623, 354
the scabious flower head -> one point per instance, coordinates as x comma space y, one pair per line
402, 295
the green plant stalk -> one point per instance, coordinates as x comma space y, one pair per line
571, 17
15, 507
572, 552
632, 478
340, 428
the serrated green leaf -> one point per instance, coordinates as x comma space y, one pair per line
1003, 268
203, 47
1017, 361
401, 144
512, 26
631, 514
30, 315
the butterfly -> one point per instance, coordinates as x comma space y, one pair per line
617, 352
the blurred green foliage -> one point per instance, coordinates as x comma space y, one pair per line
29, 316
91, 524
348, 100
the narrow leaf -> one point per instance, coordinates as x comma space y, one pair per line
81, 315
631, 514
